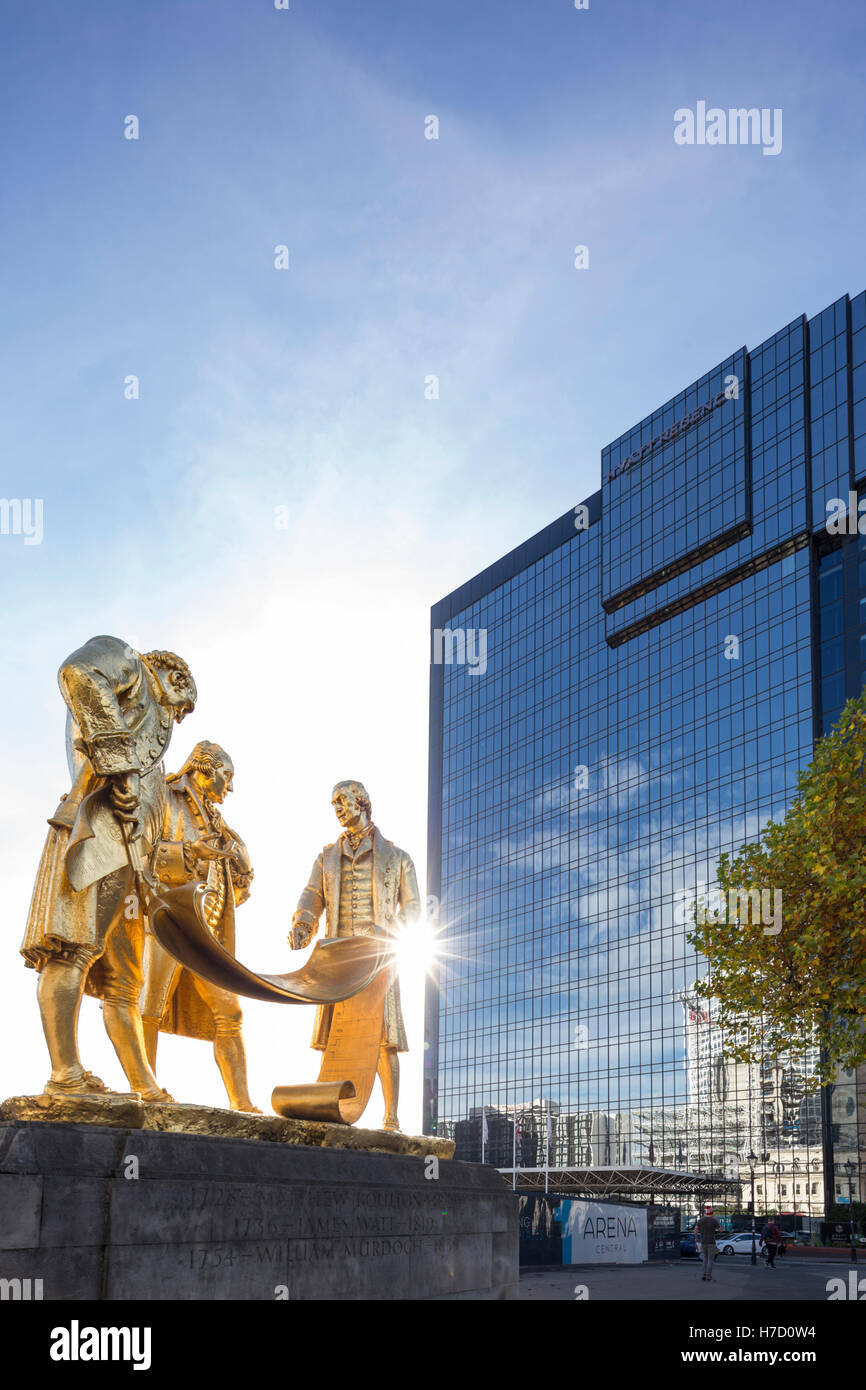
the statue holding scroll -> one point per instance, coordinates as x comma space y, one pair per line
198, 846
85, 931
362, 883
130, 858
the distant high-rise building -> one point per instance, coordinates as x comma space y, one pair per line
624, 696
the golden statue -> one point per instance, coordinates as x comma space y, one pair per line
85, 930
96, 896
198, 846
366, 886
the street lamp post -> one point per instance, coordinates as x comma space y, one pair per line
752, 1160
849, 1173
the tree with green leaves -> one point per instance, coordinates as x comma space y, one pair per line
805, 980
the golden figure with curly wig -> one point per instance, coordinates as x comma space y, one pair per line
85, 931
198, 846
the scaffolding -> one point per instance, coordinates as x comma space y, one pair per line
640, 1182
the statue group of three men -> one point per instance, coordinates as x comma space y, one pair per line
87, 931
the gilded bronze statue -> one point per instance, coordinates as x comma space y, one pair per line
197, 846
364, 885
138, 871
85, 930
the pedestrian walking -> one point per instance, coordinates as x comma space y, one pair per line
770, 1238
705, 1233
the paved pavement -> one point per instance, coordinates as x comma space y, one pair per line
734, 1278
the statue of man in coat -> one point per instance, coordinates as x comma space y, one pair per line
361, 882
197, 845
85, 930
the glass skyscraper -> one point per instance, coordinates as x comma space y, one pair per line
614, 703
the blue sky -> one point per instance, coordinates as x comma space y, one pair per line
304, 388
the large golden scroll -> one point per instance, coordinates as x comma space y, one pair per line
349, 1062
339, 968
348, 972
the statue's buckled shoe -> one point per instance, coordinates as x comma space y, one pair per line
159, 1097
85, 1085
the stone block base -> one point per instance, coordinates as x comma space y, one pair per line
115, 1211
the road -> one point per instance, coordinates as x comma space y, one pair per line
734, 1279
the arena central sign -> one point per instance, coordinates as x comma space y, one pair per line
602, 1233
731, 392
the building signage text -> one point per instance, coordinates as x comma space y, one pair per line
673, 431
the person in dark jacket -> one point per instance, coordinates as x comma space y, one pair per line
770, 1238
705, 1231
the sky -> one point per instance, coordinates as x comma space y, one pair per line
286, 495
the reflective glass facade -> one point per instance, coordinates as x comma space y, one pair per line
656, 662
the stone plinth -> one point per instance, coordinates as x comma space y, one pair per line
128, 1112
121, 1211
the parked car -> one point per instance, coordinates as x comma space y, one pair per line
688, 1249
738, 1242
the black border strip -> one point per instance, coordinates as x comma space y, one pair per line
713, 586
706, 551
